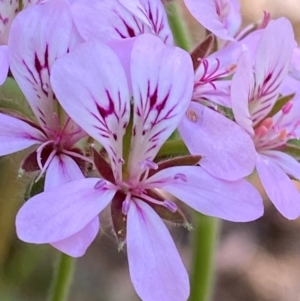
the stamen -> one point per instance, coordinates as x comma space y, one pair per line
44, 168
126, 204
100, 185
121, 160
148, 164
261, 131
192, 116
268, 122
39, 153
76, 155
287, 107
283, 134
170, 206
180, 176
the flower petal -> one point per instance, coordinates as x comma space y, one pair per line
77, 244
39, 35
236, 201
16, 135
91, 86
227, 150
279, 187
61, 212
273, 55
242, 86
286, 162
107, 20
4, 66
8, 9
61, 170
161, 97
222, 18
155, 267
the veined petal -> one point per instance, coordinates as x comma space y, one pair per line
92, 88
155, 267
227, 150
156, 14
77, 244
4, 66
273, 55
242, 86
107, 20
61, 170
221, 17
161, 97
16, 135
286, 162
279, 187
59, 213
8, 10
39, 35
236, 201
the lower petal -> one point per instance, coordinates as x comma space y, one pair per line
77, 244
156, 269
279, 187
227, 150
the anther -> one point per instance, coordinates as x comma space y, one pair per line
180, 176
261, 131
192, 116
170, 206
100, 185
267, 122
287, 107
148, 164
283, 134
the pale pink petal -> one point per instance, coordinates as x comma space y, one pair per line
156, 13
16, 135
236, 201
242, 86
290, 85
91, 86
221, 17
61, 170
59, 213
279, 187
273, 55
4, 66
286, 162
107, 20
77, 244
39, 35
161, 97
8, 10
155, 267
218, 91
227, 150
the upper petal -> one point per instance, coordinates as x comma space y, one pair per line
155, 267
227, 150
236, 201
91, 86
161, 97
4, 65
39, 35
61, 170
221, 17
242, 86
273, 55
8, 9
59, 213
279, 187
16, 135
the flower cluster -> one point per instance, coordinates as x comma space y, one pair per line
112, 99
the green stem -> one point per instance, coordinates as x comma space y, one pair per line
62, 278
205, 239
178, 26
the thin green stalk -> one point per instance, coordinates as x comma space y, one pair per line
178, 26
205, 239
62, 279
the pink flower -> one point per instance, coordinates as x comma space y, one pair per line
253, 97
108, 20
95, 93
221, 17
37, 39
